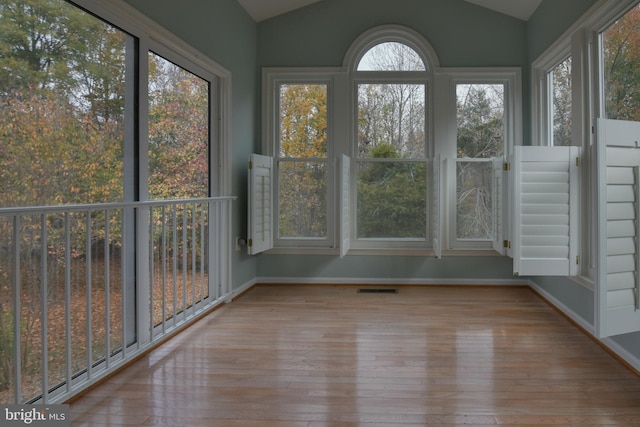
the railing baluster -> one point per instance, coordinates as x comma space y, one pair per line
202, 254
88, 296
164, 267
17, 316
152, 267
43, 307
184, 261
67, 300
175, 263
124, 263
194, 276
107, 291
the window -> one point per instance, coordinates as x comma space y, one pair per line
481, 118
561, 106
300, 131
302, 161
102, 110
356, 162
179, 111
393, 194
480, 138
391, 148
620, 54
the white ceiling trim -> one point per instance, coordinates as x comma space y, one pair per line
260, 10
521, 9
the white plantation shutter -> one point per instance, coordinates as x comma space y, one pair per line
545, 217
498, 239
618, 259
435, 210
260, 204
345, 194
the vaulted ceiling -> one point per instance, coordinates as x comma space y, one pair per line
265, 9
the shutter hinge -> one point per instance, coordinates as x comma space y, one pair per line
506, 243
593, 129
578, 260
577, 161
506, 167
250, 164
250, 243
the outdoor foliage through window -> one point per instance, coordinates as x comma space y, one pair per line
62, 141
178, 132
391, 148
621, 51
302, 161
561, 90
480, 138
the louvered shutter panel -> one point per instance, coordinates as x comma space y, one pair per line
498, 208
545, 196
260, 204
345, 223
618, 259
435, 210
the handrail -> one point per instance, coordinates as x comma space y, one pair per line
107, 206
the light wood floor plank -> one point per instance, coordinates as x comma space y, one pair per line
316, 356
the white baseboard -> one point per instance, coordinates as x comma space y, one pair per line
622, 353
588, 327
609, 343
239, 290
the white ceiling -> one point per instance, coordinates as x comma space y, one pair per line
265, 9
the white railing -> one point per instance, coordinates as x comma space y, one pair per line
92, 286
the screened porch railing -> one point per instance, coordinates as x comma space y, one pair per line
85, 288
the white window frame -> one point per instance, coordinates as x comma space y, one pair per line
152, 37
357, 50
446, 143
272, 78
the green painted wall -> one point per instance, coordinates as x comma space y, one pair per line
223, 31
550, 21
385, 267
461, 33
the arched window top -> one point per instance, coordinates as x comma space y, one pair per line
391, 48
391, 56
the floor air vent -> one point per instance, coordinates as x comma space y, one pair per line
377, 291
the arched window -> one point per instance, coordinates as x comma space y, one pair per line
391, 72
391, 56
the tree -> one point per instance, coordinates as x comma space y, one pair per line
562, 105
480, 135
622, 67
303, 167
178, 132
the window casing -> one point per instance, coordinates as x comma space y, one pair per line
300, 131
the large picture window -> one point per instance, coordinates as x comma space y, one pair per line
107, 224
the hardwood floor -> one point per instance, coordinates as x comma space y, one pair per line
314, 356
